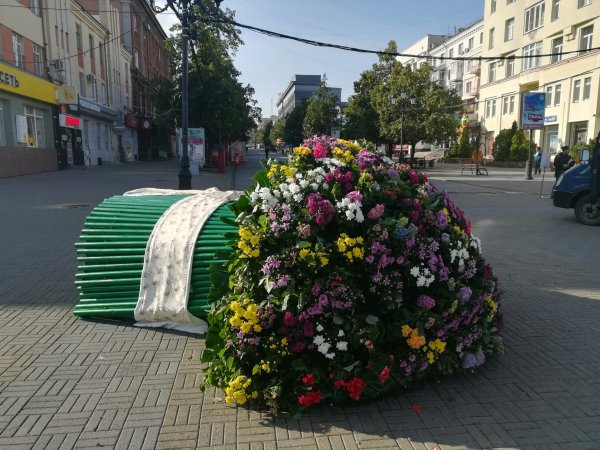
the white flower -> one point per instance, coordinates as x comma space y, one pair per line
303, 183
298, 197
342, 346
320, 328
318, 340
415, 272
314, 186
330, 355
324, 347
341, 333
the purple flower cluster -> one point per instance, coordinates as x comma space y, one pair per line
320, 208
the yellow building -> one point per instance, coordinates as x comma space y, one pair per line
568, 32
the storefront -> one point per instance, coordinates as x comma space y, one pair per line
99, 141
27, 113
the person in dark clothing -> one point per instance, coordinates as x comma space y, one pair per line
563, 161
537, 159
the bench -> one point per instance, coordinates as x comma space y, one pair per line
475, 169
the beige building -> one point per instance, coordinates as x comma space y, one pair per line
567, 31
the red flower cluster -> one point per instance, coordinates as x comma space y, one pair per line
354, 387
311, 398
309, 379
384, 374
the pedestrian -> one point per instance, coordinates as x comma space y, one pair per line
537, 159
562, 161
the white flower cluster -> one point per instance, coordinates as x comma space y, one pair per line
459, 253
351, 209
476, 243
323, 346
423, 275
332, 162
269, 199
316, 177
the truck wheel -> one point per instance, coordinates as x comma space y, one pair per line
586, 212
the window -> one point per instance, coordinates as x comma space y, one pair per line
491, 42
78, 37
490, 108
102, 94
461, 48
91, 44
134, 23
2, 122
67, 39
504, 106
557, 92
557, 48
530, 53
510, 66
34, 6
81, 84
481, 37
469, 88
548, 97
555, 10
509, 30
35, 127
587, 88
587, 33
508, 2
101, 53
493, 7
534, 17
511, 108
576, 90
492, 73
38, 65
18, 50
582, 3
471, 43
136, 58
450, 53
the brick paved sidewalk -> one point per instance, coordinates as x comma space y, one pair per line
72, 383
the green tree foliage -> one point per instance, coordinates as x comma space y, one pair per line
293, 132
217, 100
465, 147
520, 147
277, 130
266, 135
430, 119
503, 143
362, 120
320, 113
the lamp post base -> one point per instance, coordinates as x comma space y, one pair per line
528, 171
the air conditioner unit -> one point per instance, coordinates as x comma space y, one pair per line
570, 36
500, 63
57, 64
56, 75
466, 50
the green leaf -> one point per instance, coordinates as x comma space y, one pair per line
262, 220
304, 244
338, 320
261, 178
255, 369
351, 366
230, 362
371, 320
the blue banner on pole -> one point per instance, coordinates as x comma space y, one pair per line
532, 114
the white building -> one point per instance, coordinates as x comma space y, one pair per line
566, 30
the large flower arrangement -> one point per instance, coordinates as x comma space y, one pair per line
351, 277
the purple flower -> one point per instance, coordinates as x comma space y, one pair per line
414, 178
425, 302
288, 319
354, 196
469, 361
464, 294
376, 212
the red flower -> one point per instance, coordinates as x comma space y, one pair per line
309, 379
384, 374
311, 398
417, 409
355, 387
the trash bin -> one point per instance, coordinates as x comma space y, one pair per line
99, 161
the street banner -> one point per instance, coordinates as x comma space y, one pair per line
196, 142
532, 114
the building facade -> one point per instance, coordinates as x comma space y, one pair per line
300, 88
519, 31
28, 104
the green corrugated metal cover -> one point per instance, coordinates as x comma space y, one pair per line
110, 255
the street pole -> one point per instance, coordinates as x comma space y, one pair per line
528, 164
401, 138
185, 176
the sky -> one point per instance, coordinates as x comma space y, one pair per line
268, 64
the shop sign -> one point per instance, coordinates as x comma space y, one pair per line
146, 123
131, 121
534, 106
550, 119
22, 83
67, 95
65, 120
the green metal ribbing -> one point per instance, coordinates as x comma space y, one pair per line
110, 255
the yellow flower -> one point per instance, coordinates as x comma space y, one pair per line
257, 328
357, 252
304, 253
415, 340
284, 341
349, 256
359, 240
324, 261
254, 394
406, 330
265, 366
341, 247
246, 327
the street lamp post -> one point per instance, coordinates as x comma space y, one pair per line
185, 176
403, 96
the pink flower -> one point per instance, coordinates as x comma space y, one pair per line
376, 212
414, 178
319, 151
425, 302
288, 319
309, 330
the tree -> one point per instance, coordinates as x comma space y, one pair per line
266, 138
520, 146
503, 143
320, 113
218, 102
362, 120
293, 132
277, 130
430, 119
